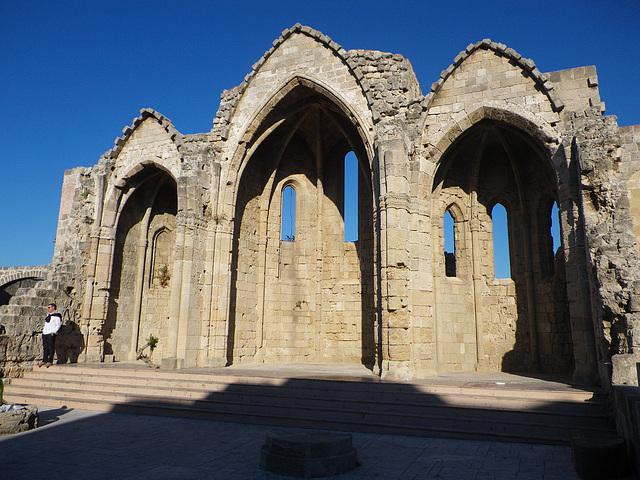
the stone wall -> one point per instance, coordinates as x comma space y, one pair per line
23, 301
179, 236
630, 168
613, 257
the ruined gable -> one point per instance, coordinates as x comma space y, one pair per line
150, 140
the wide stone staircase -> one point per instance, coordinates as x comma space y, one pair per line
513, 411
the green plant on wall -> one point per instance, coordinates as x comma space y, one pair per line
152, 343
164, 275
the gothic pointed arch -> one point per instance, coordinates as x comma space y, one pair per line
327, 69
520, 323
141, 263
278, 66
293, 97
297, 301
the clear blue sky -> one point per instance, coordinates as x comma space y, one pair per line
74, 73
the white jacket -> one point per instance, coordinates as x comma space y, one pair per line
52, 323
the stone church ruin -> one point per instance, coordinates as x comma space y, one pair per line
183, 236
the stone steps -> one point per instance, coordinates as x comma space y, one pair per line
26, 310
195, 388
521, 415
285, 396
39, 295
18, 310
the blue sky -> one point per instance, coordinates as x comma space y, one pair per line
74, 73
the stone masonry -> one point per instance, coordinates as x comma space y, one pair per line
181, 236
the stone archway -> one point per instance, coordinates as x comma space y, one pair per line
516, 324
307, 298
142, 266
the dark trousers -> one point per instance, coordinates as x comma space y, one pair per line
49, 347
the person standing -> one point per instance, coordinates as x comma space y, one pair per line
52, 324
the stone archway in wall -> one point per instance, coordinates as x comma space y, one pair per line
142, 266
304, 294
515, 324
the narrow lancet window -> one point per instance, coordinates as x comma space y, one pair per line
288, 227
449, 245
161, 254
350, 197
555, 228
501, 258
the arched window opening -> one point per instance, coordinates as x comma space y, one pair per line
288, 226
501, 257
161, 254
449, 244
548, 240
555, 228
350, 197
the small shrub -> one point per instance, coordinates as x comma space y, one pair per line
164, 275
152, 342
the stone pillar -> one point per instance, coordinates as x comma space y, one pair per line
478, 280
395, 272
143, 243
221, 292
219, 245
171, 360
577, 283
96, 309
185, 287
207, 297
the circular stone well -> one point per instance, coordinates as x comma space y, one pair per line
308, 454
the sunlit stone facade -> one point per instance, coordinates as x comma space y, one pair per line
180, 236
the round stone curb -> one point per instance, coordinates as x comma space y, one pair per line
308, 454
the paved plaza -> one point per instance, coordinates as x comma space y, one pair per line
76, 444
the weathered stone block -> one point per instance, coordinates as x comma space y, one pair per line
21, 420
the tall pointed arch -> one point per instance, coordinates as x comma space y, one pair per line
144, 236
491, 163
292, 301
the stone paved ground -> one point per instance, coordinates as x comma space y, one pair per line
75, 444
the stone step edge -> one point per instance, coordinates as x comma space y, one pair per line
214, 386
430, 411
392, 429
293, 393
581, 395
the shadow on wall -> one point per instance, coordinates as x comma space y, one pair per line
69, 343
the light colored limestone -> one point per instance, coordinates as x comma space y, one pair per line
180, 236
